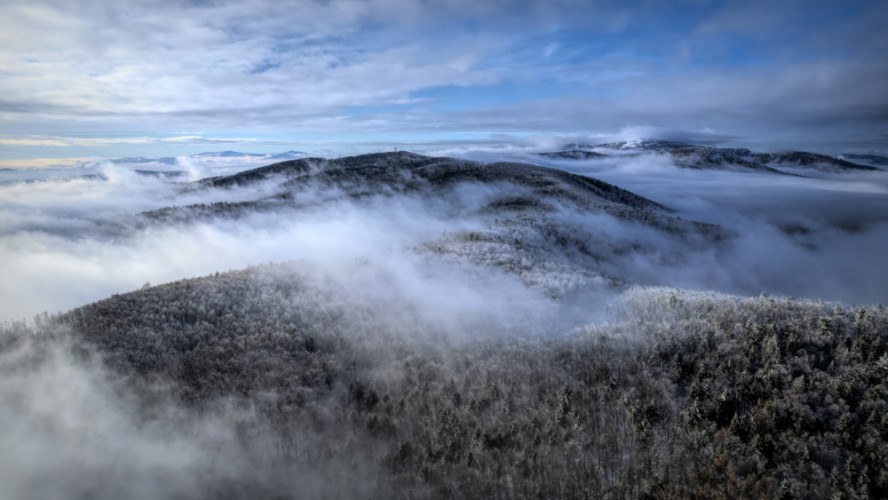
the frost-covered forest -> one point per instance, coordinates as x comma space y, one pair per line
403, 326
255, 383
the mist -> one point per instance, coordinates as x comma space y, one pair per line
805, 237
821, 236
351, 318
74, 428
808, 237
57, 252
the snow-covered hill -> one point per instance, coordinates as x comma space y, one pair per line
713, 158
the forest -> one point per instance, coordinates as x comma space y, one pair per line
677, 394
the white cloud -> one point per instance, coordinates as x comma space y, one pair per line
62, 141
349, 68
105, 58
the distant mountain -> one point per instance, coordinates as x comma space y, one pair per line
320, 377
288, 155
814, 161
867, 159
405, 172
531, 218
712, 158
703, 158
644, 145
164, 174
227, 154
573, 154
165, 160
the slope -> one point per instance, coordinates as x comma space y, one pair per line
559, 231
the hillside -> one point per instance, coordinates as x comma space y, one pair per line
678, 395
405, 172
395, 325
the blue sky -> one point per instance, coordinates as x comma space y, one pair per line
105, 78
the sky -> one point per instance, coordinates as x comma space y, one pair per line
104, 78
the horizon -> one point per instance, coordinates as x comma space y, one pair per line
109, 80
483, 154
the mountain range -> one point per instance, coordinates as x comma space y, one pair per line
713, 158
410, 326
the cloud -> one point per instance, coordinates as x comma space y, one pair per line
828, 101
805, 237
60, 141
199, 60
73, 427
353, 69
68, 241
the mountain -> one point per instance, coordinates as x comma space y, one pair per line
227, 154
683, 155
535, 222
655, 145
712, 158
405, 172
573, 154
868, 159
288, 155
164, 160
811, 161
703, 158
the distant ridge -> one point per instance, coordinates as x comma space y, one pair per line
532, 221
713, 158
869, 159
405, 171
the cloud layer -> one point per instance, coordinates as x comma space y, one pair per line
65, 241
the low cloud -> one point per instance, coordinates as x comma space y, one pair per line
405, 268
808, 237
818, 238
59, 251
73, 428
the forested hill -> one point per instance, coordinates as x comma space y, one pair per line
404, 172
715, 158
557, 230
678, 395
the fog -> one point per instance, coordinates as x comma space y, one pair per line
810, 237
72, 428
57, 252
429, 269
806, 237
820, 237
